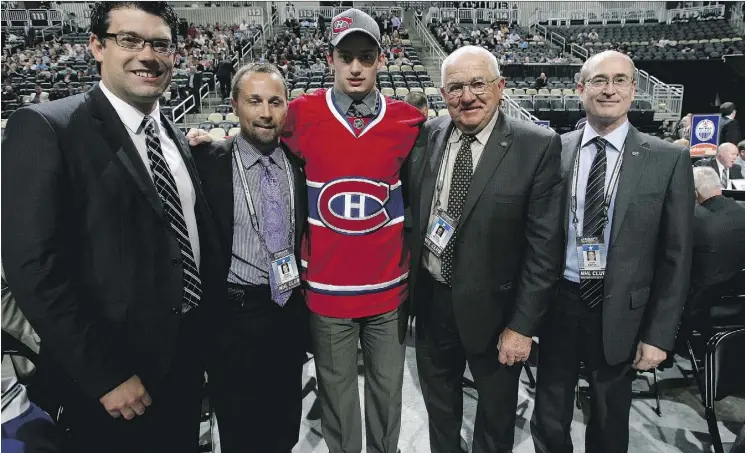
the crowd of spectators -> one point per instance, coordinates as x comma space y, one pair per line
507, 42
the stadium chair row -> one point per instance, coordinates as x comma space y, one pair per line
542, 91
223, 113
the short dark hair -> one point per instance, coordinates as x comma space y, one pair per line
727, 108
251, 68
101, 19
741, 146
417, 99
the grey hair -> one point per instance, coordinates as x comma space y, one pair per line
706, 182
251, 68
468, 50
586, 66
726, 145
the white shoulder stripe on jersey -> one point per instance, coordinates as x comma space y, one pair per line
339, 288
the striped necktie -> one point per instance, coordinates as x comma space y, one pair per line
165, 185
593, 225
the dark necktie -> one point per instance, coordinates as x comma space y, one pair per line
359, 109
459, 184
725, 178
593, 225
273, 222
165, 185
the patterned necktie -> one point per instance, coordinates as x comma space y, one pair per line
593, 225
359, 109
165, 185
725, 178
273, 222
459, 184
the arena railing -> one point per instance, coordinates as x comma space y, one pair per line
179, 111
433, 48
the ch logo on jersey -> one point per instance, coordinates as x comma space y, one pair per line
341, 24
354, 206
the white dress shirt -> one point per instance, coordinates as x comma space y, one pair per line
613, 150
132, 119
721, 169
431, 262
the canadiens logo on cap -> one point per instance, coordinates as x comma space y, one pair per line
341, 24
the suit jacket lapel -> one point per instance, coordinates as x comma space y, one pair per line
635, 155
570, 144
496, 147
439, 140
119, 141
300, 194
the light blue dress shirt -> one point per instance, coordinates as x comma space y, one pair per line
616, 140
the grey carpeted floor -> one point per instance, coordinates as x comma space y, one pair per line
681, 428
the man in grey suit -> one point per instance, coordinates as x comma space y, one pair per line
631, 195
478, 299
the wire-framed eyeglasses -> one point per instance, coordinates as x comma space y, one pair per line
478, 87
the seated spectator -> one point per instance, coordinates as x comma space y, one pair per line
719, 234
593, 35
740, 161
724, 164
418, 100
541, 82
38, 96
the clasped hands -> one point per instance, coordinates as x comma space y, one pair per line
513, 347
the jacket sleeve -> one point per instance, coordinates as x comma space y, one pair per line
37, 237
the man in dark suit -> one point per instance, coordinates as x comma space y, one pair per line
195, 83
629, 198
729, 130
724, 164
719, 234
256, 365
108, 243
224, 73
479, 300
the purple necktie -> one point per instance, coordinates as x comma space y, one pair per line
273, 222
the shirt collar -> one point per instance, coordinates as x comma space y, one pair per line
482, 137
250, 154
616, 138
719, 165
344, 101
130, 116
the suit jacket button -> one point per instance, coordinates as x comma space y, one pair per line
176, 261
176, 310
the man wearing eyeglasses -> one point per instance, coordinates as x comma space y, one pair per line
630, 199
496, 182
108, 245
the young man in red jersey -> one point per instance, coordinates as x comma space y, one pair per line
355, 264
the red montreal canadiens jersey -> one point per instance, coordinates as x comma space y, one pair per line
354, 261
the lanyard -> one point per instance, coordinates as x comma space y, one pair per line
249, 200
613, 183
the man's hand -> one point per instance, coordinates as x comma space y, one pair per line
648, 356
513, 347
199, 136
127, 400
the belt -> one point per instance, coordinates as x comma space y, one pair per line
238, 292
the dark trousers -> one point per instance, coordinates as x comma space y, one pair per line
255, 371
573, 333
197, 100
171, 423
224, 87
441, 360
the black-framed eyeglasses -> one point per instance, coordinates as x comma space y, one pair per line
478, 87
136, 44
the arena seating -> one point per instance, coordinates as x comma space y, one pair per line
537, 49
695, 40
